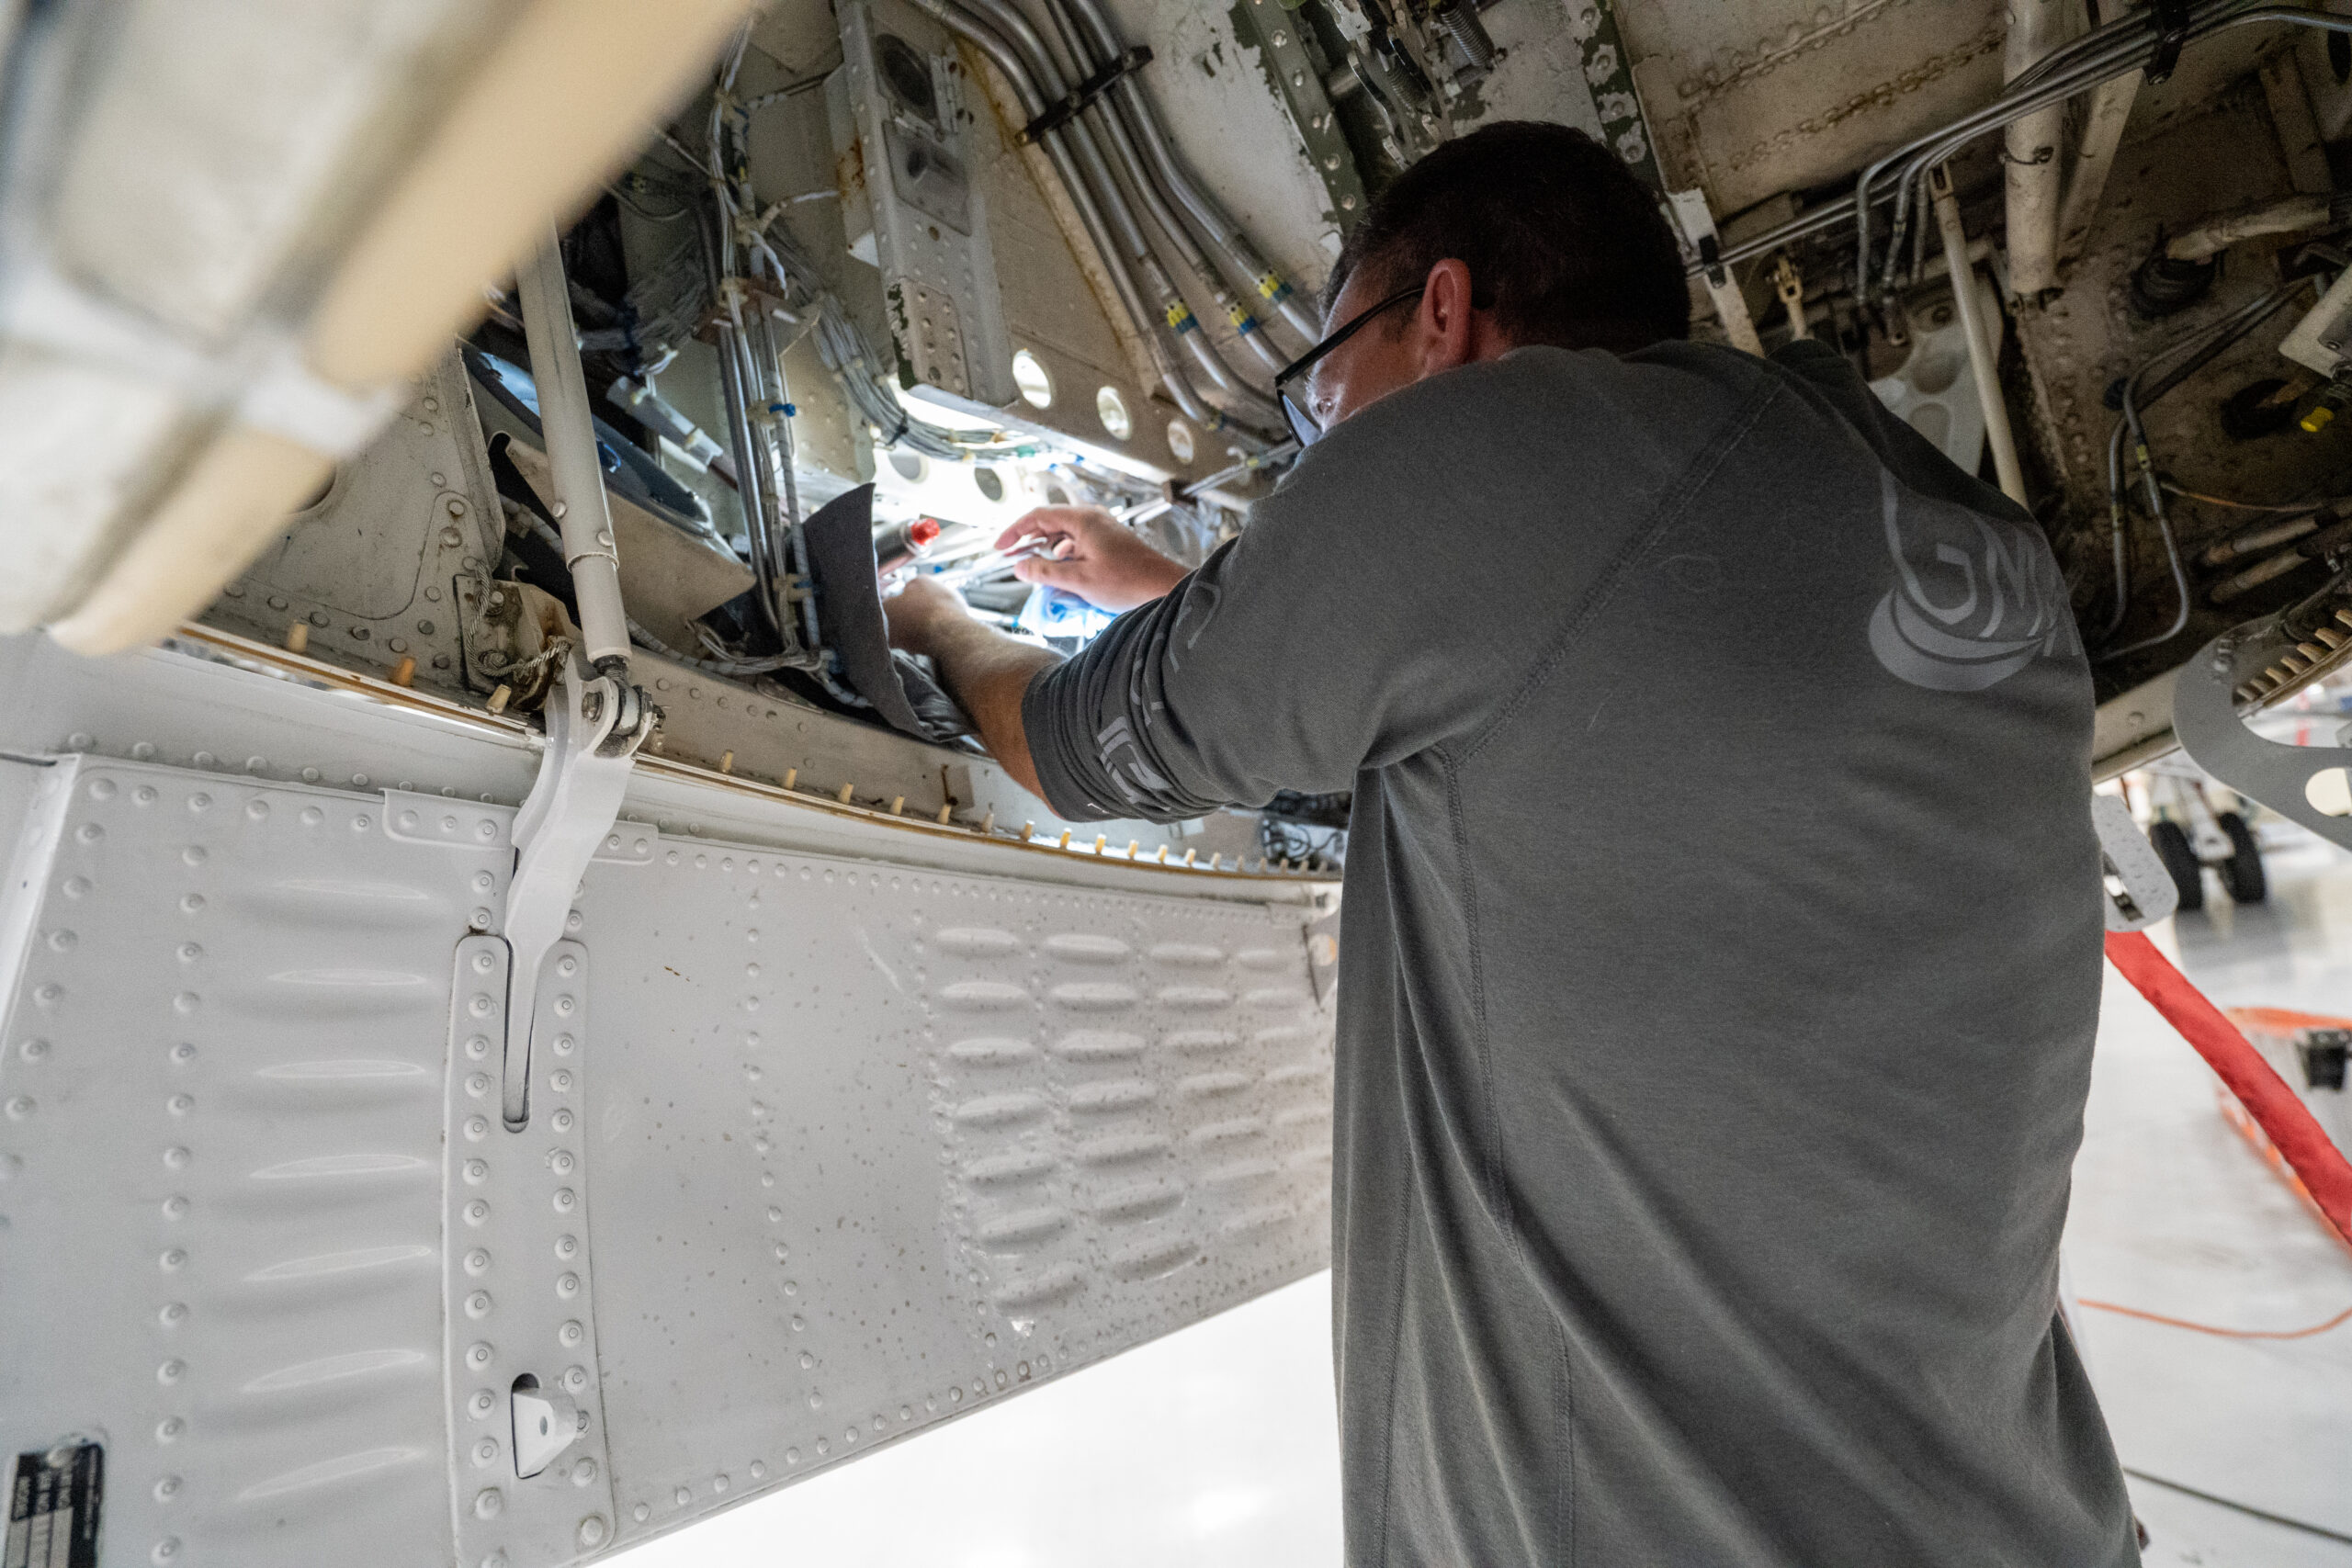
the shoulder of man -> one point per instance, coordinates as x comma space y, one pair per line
1567, 415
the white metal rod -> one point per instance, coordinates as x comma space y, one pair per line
1983, 350
578, 478
2033, 167
2086, 172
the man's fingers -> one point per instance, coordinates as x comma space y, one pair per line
1039, 524
1074, 522
1051, 573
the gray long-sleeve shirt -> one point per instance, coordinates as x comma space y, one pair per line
1721, 964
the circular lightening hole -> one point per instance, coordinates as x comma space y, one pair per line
1029, 375
1112, 409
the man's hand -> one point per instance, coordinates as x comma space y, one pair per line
1093, 556
923, 614
981, 668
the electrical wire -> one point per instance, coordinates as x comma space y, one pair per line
2173, 489
789, 90
701, 164
730, 663
2182, 358
661, 309
2122, 1310
2236, 1506
2125, 44
846, 352
621, 195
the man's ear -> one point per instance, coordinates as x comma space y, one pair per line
1444, 322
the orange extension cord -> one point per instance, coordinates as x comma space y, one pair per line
2341, 1317
2318, 1169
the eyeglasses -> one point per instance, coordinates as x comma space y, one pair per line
1304, 426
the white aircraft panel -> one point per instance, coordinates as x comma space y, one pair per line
823, 1149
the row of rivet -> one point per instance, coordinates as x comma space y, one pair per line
478, 1304
173, 1262
992, 1379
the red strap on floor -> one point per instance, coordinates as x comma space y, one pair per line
2308, 1151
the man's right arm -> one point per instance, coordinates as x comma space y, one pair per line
1089, 553
982, 669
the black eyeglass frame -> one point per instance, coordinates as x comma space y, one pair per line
1304, 427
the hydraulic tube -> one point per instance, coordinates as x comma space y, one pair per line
575, 473
966, 26
750, 473
2126, 44
1178, 314
2289, 215
1150, 190
2269, 536
2105, 57
1223, 233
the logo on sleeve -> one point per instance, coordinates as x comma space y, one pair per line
1122, 757
1974, 601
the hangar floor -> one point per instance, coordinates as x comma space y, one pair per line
2173, 1213
1216, 1446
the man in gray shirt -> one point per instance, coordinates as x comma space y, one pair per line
1723, 908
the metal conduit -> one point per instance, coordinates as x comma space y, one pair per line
2120, 46
1177, 315
750, 473
1175, 311
2195, 350
1150, 190
1109, 222
2124, 45
2095, 58
1224, 234
966, 25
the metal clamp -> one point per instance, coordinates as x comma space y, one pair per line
2172, 21
1083, 96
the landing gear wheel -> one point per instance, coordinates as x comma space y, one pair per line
2241, 873
2171, 843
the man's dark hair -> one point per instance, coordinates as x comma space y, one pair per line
1563, 244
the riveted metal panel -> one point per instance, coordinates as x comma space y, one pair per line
830, 1146
874, 1146
521, 1291
369, 563
221, 1248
